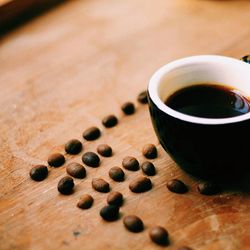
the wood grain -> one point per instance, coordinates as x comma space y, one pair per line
65, 71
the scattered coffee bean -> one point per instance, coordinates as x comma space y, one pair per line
149, 151
56, 160
159, 235
39, 173
128, 108
73, 147
184, 248
148, 168
100, 185
91, 159
133, 223
208, 188
65, 185
110, 213
116, 174
109, 121
104, 150
130, 163
115, 198
177, 186
140, 184
76, 170
85, 201
91, 133
143, 97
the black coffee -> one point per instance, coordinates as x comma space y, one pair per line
209, 101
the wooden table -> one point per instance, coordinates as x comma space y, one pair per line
67, 69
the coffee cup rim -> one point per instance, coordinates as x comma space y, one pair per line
157, 76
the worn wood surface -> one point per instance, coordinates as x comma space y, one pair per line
63, 72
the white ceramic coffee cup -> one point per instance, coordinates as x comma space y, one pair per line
201, 146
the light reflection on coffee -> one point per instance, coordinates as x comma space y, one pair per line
209, 101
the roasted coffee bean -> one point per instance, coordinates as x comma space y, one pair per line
116, 174
91, 134
100, 185
149, 151
133, 223
143, 97
148, 168
65, 185
130, 163
140, 184
208, 188
73, 147
76, 170
177, 186
104, 150
184, 248
109, 121
91, 159
39, 173
128, 108
85, 201
115, 198
110, 212
159, 235
56, 160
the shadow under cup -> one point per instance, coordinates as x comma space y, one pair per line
204, 147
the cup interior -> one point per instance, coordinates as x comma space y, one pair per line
196, 70
192, 73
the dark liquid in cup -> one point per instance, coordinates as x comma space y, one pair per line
209, 101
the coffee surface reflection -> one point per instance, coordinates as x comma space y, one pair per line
209, 101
